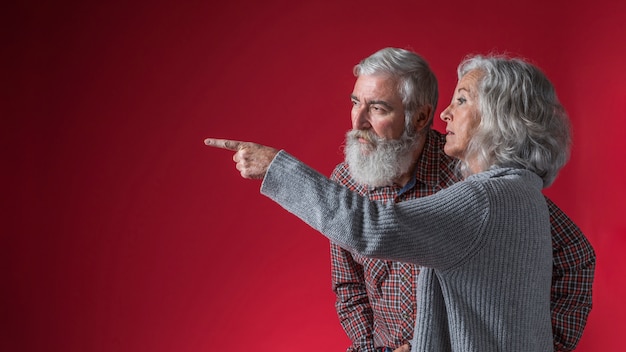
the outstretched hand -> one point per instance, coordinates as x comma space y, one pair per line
252, 159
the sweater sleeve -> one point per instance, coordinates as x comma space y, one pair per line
438, 231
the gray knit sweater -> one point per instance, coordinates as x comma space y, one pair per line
484, 245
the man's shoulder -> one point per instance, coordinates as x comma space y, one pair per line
340, 172
341, 175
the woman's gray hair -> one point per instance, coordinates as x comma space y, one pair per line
417, 83
522, 123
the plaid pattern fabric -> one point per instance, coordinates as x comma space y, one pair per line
572, 280
376, 301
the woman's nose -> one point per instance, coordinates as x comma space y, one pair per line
445, 115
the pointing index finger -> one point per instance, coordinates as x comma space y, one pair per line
223, 143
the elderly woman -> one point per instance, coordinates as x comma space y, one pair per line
484, 243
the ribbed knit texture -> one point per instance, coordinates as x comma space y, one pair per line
484, 244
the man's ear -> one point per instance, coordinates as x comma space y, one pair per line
422, 117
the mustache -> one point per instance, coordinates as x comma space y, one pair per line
368, 136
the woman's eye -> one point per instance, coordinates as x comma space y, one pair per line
461, 100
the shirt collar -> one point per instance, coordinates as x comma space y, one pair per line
428, 163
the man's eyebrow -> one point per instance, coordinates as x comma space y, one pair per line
372, 102
381, 102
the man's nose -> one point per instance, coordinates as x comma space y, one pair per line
360, 118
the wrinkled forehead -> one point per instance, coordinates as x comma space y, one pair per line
469, 81
378, 84
473, 75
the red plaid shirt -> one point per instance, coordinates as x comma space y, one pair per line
376, 301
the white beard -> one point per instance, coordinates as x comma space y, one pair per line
381, 161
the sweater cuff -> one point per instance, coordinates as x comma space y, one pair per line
282, 167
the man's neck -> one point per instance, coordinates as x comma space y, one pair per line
403, 179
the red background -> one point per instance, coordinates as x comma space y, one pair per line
123, 232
